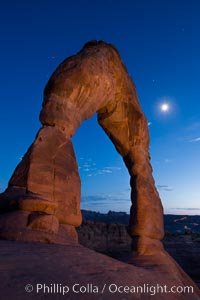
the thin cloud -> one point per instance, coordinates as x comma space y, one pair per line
186, 208
89, 167
164, 188
163, 160
86, 165
195, 140
106, 171
106, 198
112, 168
104, 202
149, 123
167, 160
182, 211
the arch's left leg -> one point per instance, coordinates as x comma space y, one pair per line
40, 202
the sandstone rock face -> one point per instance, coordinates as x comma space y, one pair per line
47, 182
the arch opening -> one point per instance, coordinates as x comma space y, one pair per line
105, 182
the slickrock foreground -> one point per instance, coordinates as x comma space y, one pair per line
24, 265
42, 201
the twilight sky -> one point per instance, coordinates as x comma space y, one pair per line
158, 40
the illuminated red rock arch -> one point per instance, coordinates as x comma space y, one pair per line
42, 200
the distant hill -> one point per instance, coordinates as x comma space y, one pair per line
175, 224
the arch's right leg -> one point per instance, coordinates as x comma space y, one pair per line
127, 128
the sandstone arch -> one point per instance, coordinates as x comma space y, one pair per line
42, 201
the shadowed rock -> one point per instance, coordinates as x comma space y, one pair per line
145, 278
42, 201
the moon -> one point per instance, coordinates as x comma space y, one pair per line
164, 107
